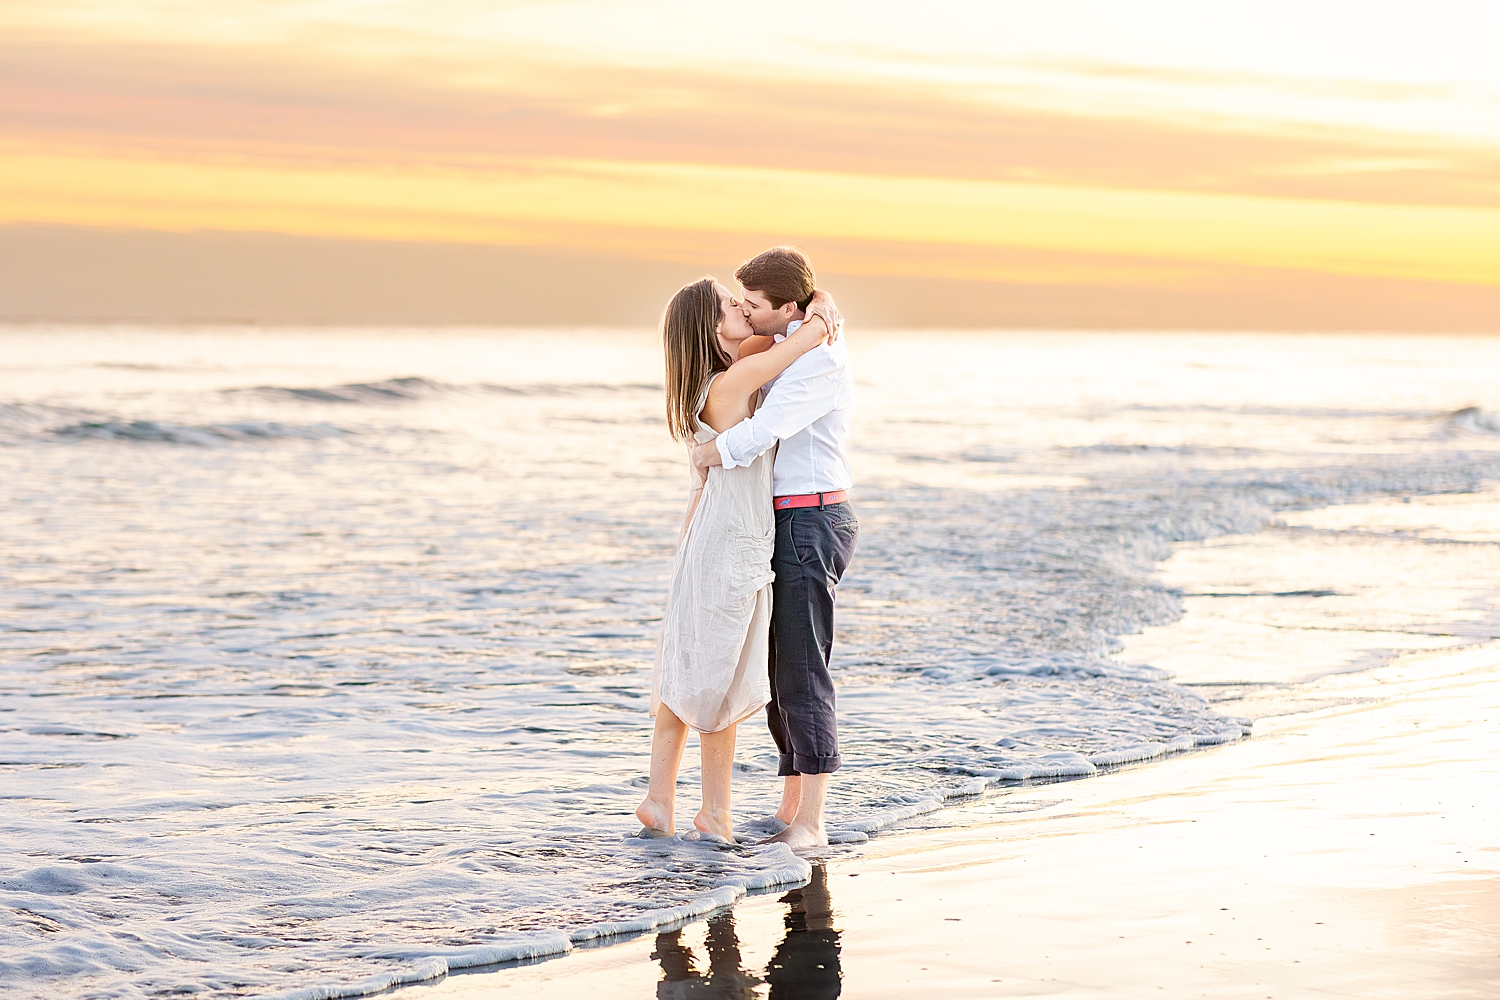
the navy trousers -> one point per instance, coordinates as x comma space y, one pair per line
813, 548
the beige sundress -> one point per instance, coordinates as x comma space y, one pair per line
711, 662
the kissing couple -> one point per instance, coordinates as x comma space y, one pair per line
760, 389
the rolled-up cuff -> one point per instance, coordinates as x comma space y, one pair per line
728, 459
801, 763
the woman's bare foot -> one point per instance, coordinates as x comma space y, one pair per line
718, 824
655, 816
801, 838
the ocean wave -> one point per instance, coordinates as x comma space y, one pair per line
1471, 420
413, 389
32, 417
19, 421
394, 390
203, 435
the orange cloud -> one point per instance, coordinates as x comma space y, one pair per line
195, 101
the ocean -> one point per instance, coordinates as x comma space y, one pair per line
325, 653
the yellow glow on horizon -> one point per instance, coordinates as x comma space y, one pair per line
1404, 241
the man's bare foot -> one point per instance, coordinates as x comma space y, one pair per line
655, 816
718, 824
800, 838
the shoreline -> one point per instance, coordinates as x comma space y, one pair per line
1334, 754
1257, 870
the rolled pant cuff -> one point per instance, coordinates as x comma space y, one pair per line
800, 763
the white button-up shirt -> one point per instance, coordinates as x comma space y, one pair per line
809, 410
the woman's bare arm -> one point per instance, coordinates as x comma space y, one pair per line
758, 344
729, 396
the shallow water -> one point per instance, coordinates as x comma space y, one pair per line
327, 651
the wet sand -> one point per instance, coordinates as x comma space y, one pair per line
1350, 849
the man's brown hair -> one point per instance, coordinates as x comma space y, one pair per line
784, 274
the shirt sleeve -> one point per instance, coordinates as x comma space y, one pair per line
796, 400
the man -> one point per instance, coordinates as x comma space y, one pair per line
808, 411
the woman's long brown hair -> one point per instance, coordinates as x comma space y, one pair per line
689, 334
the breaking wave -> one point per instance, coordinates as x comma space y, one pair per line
204, 435
19, 421
1471, 420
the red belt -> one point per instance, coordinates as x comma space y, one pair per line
810, 499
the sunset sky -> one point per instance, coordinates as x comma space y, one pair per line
1144, 145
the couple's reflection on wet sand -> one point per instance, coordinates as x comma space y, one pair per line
805, 965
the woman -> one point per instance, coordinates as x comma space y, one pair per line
711, 662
